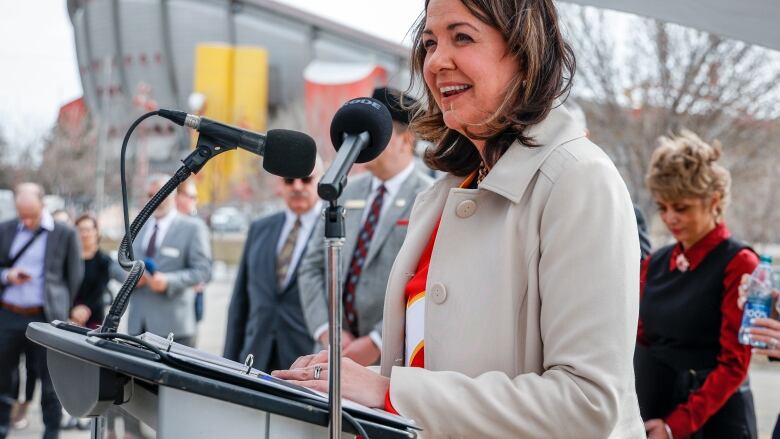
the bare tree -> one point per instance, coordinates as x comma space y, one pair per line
666, 77
68, 163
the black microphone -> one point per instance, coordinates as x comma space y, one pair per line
285, 153
360, 131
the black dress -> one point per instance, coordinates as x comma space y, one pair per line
96, 276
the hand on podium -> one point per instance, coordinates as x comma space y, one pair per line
358, 383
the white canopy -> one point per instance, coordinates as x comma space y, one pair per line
753, 21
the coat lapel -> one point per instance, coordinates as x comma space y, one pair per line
425, 214
387, 221
52, 240
353, 222
513, 173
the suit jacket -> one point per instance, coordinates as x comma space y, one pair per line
63, 269
260, 312
389, 235
184, 256
532, 298
644, 238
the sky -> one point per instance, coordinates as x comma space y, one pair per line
38, 70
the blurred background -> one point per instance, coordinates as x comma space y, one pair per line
76, 73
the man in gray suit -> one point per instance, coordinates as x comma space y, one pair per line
265, 317
177, 247
40, 272
377, 206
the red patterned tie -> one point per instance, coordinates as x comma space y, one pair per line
359, 257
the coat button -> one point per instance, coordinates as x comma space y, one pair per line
438, 293
466, 208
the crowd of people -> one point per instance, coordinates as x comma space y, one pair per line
504, 299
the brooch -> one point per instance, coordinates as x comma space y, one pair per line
682, 263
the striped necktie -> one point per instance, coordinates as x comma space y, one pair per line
285, 255
359, 258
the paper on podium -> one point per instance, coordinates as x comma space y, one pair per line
245, 373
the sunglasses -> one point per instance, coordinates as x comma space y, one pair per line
304, 180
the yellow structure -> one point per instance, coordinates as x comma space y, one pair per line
234, 81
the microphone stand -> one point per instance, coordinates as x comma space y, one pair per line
329, 188
334, 241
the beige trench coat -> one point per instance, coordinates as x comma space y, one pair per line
532, 298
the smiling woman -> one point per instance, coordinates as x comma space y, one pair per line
512, 305
490, 67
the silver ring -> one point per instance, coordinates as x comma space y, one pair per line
773, 343
318, 371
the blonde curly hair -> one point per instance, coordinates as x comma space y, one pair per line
685, 166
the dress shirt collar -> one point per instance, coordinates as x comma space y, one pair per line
393, 184
308, 218
165, 222
47, 222
697, 252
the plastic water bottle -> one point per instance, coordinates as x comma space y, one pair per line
759, 300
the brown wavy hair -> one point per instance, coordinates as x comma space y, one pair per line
685, 166
547, 63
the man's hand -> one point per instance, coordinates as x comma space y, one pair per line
80, 314
363, 350
158, 283
346, 339
656, 429
17, 276
143, 281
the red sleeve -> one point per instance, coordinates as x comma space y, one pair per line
388, 404
640, 331
733, 359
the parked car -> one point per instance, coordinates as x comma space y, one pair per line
229, 219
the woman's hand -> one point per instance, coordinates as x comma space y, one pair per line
767, 331
656, 429
357, 382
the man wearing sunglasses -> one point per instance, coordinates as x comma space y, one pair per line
377, 205
265, 318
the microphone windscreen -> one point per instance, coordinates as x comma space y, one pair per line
289, 154
363, 114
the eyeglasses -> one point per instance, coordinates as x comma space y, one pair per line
304, 180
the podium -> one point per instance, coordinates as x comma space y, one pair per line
189, 393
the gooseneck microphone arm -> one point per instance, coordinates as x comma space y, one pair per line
205, 149
287, 154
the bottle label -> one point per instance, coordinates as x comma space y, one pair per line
755, 310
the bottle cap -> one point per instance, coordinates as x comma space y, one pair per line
766, 259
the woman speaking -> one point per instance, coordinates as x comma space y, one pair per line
511, 309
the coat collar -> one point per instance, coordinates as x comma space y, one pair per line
515, 169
